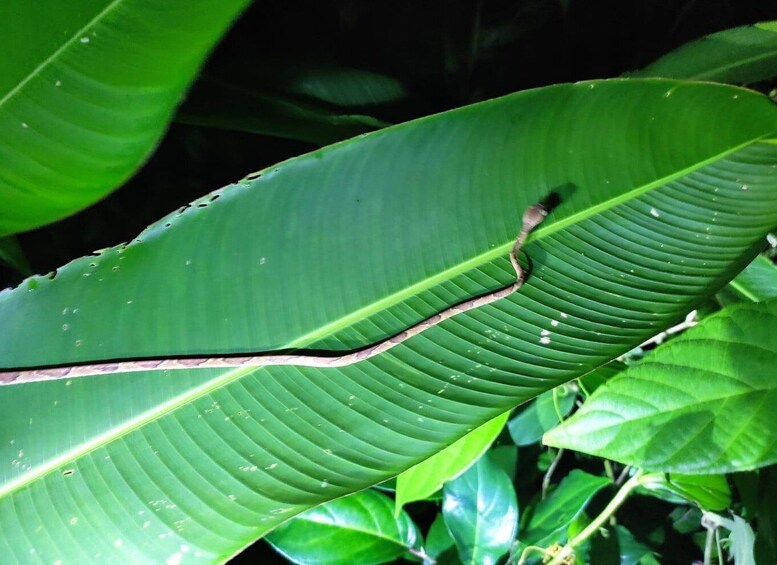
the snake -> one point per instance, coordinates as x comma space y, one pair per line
532, 217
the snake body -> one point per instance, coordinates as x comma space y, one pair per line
531, 219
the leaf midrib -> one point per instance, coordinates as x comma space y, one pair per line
740, 62
230, 376
543, 230
61, 49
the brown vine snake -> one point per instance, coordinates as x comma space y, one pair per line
531, 219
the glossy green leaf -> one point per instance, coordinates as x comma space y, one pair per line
426, 478
702, 403
481, 512
360, 528
88, 91
343, 247
541, 414
549, 519
506, 458
741, 55
438, 539
226, 105
758, 282
710, 492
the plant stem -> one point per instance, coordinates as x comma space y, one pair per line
525, 553
619, 498
608, 470
549, 472
708, 548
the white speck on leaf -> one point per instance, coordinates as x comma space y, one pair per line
545, 340
84, 40
654, 213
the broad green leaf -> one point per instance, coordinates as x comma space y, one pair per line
550, 518
87, 93
701, 404
438, 539
506, 458
710, 492
541, 414
480, 510
757, 282
426, 478
742, 55
218, 103
360, 528
343, 247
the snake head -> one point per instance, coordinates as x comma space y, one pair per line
534, 216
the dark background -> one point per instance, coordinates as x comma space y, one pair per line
447, 54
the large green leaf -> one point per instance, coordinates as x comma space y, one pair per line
541, 414
86, 90
439, 540
480, 509
710, 492
548, 521
340, 248
360, 528
757, 282
742, 55
426, 478
703, 403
